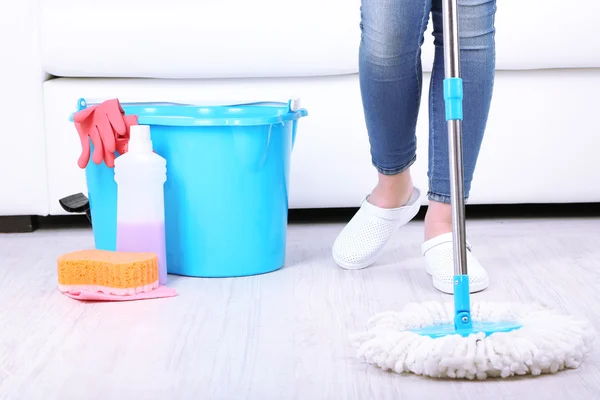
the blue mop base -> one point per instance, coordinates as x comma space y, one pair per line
463, 324
487, 328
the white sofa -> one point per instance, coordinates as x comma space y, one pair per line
542, 139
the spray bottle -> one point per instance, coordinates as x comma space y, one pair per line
140, 175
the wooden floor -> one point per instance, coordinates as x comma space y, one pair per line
281, 335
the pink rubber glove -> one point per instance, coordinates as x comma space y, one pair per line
106, 125
123, 141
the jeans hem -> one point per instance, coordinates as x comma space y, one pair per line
395, 171
441, 198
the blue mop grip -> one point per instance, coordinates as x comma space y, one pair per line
462, 303
453, 98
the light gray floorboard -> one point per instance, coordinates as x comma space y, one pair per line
282, 335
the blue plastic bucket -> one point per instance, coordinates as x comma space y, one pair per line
226, 194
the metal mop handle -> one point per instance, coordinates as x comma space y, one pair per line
453, 95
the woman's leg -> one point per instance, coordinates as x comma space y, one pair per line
391, 85
477, 54
390, 81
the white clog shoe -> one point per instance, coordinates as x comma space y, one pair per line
439, 262
362, 240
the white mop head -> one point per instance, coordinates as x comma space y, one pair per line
547, 342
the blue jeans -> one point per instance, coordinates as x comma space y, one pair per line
391, 81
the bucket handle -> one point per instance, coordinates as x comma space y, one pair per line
294, 129
293, 106
293, 103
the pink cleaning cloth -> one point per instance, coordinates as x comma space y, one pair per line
161, 291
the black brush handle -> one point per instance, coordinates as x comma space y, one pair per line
76, 203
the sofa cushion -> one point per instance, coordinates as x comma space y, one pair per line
274, 38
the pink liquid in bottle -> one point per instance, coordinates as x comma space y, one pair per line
144, 237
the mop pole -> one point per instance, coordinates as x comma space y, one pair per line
453, 95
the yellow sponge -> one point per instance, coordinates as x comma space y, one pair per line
119, 273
